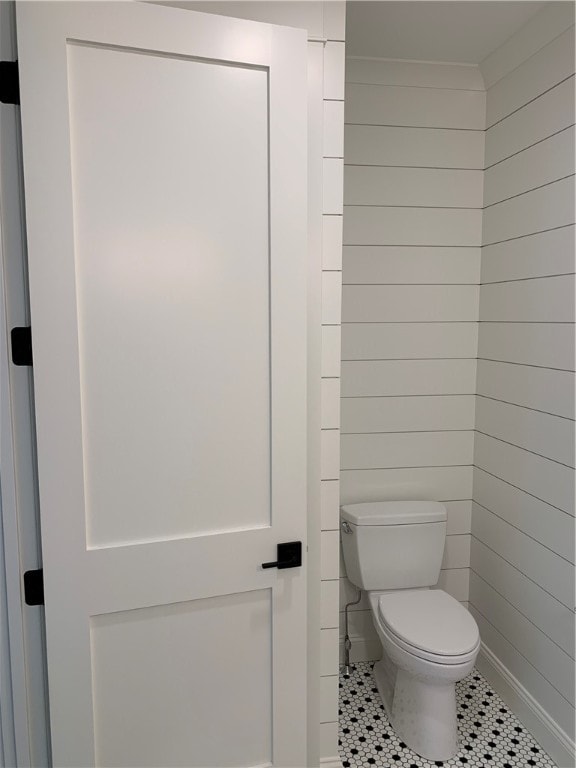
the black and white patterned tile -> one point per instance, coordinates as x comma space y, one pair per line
489, 734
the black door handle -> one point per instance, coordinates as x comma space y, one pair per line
289, 555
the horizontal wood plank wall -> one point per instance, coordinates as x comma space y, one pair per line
522, 549
413, 196
333, 168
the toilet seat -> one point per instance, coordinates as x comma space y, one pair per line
429, 624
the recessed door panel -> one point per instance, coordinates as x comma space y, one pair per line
199, 676
172, 274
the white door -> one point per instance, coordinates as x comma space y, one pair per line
165, 173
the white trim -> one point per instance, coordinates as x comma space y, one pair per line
331, 762
544, 729
363, 649
313, 394
407, 72
541, 29
414, 61
17, 736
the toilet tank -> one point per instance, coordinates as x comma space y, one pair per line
393, 544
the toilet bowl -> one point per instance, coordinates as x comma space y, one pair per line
394, 550
421, 663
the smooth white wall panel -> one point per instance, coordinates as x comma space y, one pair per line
332, 185
546, 695
329, 731
437, 483
545, 69
404, 264
415, 226
303, 15
434, 187
543, 389
330, 505
373, 341
333, 129
550, 526
540, 300
541, 565
332, 242
329, 603
538, 255
547, 161
412, 303
334, 17
550, 345
328, 652
556, 665
541, 477
331, 340
538, 119
329, 553
330, 461
411, 107
407, 414
334, 70
455, 581
377, 145
456, 552
541, 433
522, 555
543, 610
540, 30
459, 517
546, 208
406, 449
331, 298
329, 699
330, 408
408, 377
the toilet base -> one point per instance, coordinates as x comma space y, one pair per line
422, 714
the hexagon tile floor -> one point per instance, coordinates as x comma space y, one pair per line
490, 735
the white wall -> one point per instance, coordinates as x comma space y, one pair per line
414, 154
522, 553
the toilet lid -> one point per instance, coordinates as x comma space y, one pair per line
430, 620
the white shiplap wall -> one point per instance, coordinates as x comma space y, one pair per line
413, 196
522, 551
332, 213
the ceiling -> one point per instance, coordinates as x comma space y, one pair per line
461, 31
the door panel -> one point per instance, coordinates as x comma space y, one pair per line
165, 169
172, 277
145, 667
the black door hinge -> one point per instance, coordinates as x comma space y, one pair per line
34, 587
21, 339
9, 82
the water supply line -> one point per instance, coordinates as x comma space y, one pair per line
347, 641
346, 528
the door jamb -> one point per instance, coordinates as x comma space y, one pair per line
24, 690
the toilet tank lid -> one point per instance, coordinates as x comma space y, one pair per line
393, 512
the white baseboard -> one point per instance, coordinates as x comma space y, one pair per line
330, 762
363, 649
545, 730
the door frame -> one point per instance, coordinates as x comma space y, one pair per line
24, 700
24, 728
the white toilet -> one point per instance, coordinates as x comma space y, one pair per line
394, 549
